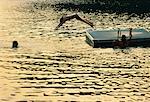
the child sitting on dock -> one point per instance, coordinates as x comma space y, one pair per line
124, 42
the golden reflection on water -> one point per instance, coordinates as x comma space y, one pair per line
65, 67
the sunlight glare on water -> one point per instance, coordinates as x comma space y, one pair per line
58, 65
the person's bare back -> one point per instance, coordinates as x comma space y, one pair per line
65, 18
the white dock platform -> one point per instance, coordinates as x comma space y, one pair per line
106, 38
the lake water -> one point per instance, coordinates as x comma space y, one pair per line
52, 65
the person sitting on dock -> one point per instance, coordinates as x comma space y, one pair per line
124, 41
65, 18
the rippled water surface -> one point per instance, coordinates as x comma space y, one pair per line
58, 65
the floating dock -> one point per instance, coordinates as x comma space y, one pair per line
106, 38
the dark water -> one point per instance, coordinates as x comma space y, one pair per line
109, 6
